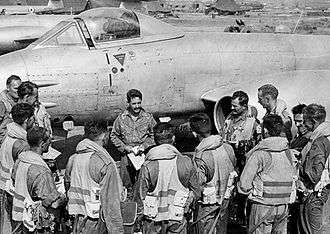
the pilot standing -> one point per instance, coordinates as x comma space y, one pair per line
215, 161
268, 179
132, 132
94, 185
168, 185
241, 132
13, 144
8, 98
267, 97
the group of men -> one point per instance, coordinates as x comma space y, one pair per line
174, 192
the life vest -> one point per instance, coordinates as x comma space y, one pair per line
244, 131
214, 191
325, 176
84, 192
4, 98
276, 185
23, 205
167, 201
6, 164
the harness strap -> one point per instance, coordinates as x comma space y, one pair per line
267, 215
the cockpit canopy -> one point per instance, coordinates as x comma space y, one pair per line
101, 26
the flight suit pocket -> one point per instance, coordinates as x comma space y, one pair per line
176, 211
209, 195
93, 206
150, 206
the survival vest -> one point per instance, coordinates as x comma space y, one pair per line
23, 205
244, 131
276, 184
6, 163
4, 98
84, 192
325, 176
167, 201
214, 190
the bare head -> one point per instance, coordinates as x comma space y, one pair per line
164, 133
134, 100
12, 84
28, 92
298, 119
313, 115
39, 139
239, 102
97, 131
200, 124
23, 114
267, 96
272, 126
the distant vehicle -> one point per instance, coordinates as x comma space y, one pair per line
53, 5
86, 64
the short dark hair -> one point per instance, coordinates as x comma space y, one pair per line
26, 88
298, 109
36, 135
12, 78
200, 123
269, 89
315, 112
163, 133
133, 93
243, 98
94, 128
274, 124
21, 111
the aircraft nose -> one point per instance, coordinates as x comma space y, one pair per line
12, 64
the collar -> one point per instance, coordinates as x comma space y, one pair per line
242, 116
142, 113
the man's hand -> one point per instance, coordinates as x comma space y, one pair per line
140, 149
128, 149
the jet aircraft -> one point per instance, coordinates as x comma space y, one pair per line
28, 9
18, 31
86, 64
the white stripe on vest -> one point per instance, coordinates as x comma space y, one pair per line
84, 192
167, 200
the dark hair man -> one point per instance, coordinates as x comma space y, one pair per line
94, 182
13, 144
8, 98
132, 133
302, 137
268, 179
242, 132
241, 127
267, 96
28, 92
314, 170
35, 186
215, 162
166, 170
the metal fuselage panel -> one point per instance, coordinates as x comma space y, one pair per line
173, 74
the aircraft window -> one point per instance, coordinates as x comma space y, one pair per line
70, 36
104, 29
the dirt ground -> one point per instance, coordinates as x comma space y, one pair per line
259, 21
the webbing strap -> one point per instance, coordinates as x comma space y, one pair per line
267, 215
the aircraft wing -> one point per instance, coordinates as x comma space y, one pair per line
18, 37
215, 95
